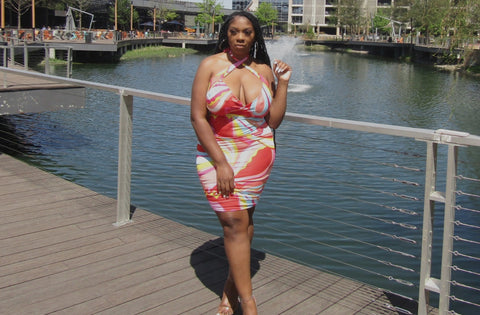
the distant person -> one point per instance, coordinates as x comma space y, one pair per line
235, 105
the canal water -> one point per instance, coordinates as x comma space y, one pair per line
332, 193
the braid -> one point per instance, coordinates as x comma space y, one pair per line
259, 52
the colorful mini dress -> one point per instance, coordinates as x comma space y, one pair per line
244, 137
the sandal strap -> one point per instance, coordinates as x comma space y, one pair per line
242, 301
225, 308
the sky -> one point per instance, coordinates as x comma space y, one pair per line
227, 4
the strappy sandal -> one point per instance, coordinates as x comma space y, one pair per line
224, 310
226, 307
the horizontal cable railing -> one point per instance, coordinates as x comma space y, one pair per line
358, 208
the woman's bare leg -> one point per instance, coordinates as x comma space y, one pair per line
230, 294
238, 233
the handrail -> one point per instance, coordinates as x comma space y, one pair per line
105, 87
6, 63
438, 136
432, 138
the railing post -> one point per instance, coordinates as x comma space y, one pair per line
69, 62
124, 159
448, 229
448, 198
5, 64
12, 52
25, 56
47, 59
5, 58
427, 234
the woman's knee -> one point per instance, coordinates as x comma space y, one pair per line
234, 225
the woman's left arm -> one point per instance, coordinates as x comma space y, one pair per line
283, 72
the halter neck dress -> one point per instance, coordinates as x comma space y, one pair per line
244, 137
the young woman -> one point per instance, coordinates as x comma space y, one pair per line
235, 105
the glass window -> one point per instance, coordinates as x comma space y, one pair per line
297, 10
297, 20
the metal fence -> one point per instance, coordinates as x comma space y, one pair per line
433, 195
27, 56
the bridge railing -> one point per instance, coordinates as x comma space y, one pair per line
434, 140
10, 57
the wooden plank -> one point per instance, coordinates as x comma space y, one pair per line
60, 253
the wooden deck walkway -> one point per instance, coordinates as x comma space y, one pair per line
60, 254
21, 94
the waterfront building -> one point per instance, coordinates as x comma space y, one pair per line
321, 15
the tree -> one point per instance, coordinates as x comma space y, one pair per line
400, 10
350, 15
209, 13
123, 14
267, 14
81, 5
427, 15
20, 7
163, 14
381, 23
461, 21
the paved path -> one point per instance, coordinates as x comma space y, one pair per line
60, 254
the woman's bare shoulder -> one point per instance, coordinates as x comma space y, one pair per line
214, 62
265, 71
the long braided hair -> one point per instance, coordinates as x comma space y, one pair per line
258, 50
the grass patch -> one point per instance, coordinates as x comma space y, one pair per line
54, 61
317, 48
474, 69
156, 52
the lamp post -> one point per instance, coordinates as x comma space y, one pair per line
131, 15
154, 18
116, 19
3, 14
33, 15
213, 22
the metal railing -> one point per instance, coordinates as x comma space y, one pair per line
8, 56
434, 139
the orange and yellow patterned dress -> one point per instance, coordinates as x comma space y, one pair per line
244, 137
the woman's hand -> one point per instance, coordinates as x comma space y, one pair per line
225, 180
282, 71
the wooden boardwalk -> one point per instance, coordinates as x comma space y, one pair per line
16, 82
61, 254
21, 94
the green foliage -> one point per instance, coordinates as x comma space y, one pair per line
474, 69
458, 20
428, 15
171, 15
400, 10
123, 15
156, 52
266, 13
210, 13
163, 14
381, 23
350, 15
310, 34
461, 21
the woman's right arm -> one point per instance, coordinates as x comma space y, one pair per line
203, 130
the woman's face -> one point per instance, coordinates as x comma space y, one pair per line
241, 35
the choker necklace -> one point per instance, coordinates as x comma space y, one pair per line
230, 54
